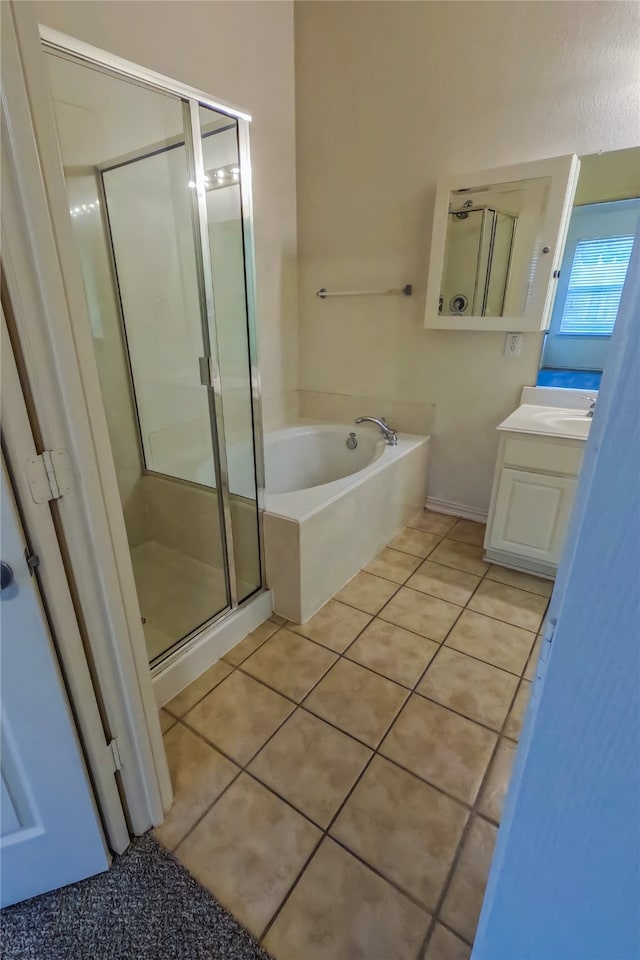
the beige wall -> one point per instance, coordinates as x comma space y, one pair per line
609, 176
241, 52
390, 97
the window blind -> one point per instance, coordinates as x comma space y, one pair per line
595, 286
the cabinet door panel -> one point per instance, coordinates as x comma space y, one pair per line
531, 514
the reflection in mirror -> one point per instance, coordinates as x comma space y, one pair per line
594, 266
490, 248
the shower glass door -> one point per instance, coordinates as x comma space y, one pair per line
169, 377
228, 251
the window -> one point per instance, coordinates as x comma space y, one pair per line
597, 276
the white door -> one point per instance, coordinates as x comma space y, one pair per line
531, 514
50, 834
566, 869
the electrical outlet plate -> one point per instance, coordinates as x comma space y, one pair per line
512, 344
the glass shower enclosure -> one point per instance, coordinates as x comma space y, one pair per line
159, 199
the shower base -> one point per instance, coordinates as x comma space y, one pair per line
177, 593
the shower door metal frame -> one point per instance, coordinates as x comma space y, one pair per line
210, 365
192, 98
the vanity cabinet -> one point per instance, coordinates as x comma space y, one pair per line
533, 490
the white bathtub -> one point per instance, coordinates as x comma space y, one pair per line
330, 509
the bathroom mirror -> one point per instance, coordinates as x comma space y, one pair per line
497, 241
602, 226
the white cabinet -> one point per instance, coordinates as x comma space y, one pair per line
533, 490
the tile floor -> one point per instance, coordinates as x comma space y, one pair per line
338, 784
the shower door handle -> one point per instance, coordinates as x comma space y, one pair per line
209, 373
206, 371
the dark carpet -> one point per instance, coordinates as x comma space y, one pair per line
147, 906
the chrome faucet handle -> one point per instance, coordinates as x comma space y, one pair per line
593, 400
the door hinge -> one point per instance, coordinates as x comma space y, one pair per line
115, 754
49, 475
32, 561
543, 658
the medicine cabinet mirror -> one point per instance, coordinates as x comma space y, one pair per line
498, 238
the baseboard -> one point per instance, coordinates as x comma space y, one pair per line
456, 510
524, 564
203, 651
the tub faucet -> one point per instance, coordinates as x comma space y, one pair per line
592, 407
391, 436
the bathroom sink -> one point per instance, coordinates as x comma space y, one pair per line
549, 421
576, 423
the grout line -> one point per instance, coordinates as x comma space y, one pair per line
392, 883
475, 812
376, 749
473, 809
333, 820
212, 804
460, 936
465, 716
227, 663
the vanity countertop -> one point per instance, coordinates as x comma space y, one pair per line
564, 422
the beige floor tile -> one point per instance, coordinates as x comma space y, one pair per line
200, 687
446, 583
239, 716
510, 604
248, 850
166, 720
367, 592
199, 774
421, 613
472, 687
461, 907
444, 945
335, 625
416, 542
532, 665
397, 653
404, 828
495, 787
359, 702
250, 643
275, 618
289, 663
340, 909
393, 565
498, 643
468, 531
525, 581
513, 726
438, 523
311, 764
447, 750
461, 556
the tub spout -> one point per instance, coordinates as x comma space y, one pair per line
391, 436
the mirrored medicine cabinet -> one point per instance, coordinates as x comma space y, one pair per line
497, 243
